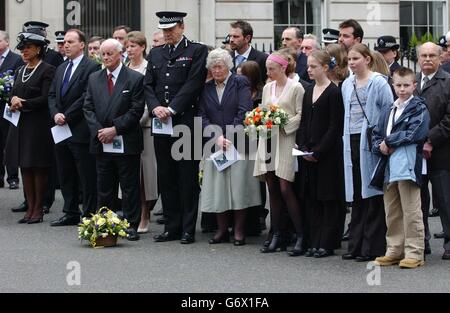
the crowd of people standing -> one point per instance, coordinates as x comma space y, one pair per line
373, 133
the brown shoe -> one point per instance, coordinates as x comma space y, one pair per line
386, 261
411, 263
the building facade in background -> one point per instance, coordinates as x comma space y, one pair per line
208, 20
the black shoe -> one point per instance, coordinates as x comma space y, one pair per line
46, 209
365, 258
239, 243
66, 221
187, 239
161, 221
440, 235
2, 183
35, 220
346, 235
23, 207
222, 239
298, 248
446, 255
348, 256
322, 253
278, 242
166, 236
24, 220
158, 213
310, 252
434, 212
132, 234
14, 185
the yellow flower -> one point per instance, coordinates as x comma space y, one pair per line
116, 220
122, 233
101, 221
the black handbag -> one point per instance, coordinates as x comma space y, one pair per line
369, 130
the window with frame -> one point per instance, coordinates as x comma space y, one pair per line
304, 14
100, 17
420, 18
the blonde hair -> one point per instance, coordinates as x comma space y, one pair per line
340, 54
379, 64
364, 51
291, 56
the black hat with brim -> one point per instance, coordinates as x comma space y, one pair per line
330, 35
442, 42
26, 38
60, 36
386, 43
169, 19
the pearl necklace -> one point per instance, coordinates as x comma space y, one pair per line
27, 77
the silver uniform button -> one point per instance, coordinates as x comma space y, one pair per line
167, 87
167, 74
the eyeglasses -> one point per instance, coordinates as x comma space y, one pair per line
426, 56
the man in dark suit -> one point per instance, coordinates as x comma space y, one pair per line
113, 107
292, 37
241, 35
66, 99
9, 61
175, 77
434, 85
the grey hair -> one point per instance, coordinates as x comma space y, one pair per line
438, 47
5, 35
117, 45
313, 37
158, 31
219, 55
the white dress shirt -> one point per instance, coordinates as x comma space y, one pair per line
115, 73
75, 62
398, 108
430, 77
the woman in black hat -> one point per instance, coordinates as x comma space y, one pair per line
29, 96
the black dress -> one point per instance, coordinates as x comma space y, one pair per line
33, 137
322, 183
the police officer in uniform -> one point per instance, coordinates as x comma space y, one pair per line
389, 48
175, 78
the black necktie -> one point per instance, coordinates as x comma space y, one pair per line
171, 50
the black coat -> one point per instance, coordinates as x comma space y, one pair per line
176, 81
437, 97
71, 105
53, 58
123, 109
257, 56
320, 132
11, 63
33, 136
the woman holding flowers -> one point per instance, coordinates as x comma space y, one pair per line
224, 101
321, 174
274, 161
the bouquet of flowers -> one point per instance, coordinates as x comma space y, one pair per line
6, 84
263, 120
102, 225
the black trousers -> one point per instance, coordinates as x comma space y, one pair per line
77, 171
368, 220
178, 182
126, 168
440, 182
11, 170
425, 198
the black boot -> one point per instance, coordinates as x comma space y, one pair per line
298, 248
278, 242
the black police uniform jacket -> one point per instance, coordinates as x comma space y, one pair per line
176, 81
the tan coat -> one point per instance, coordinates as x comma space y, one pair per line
283, 163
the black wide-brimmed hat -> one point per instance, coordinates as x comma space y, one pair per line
35, 28
442, 42
385, 43
59, 36
169, 19
330, 35
26, 38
